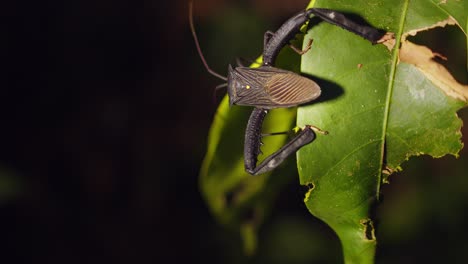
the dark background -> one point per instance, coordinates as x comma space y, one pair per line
105, 109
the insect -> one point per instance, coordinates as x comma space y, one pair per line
268, 87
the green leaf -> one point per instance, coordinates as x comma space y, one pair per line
378, 111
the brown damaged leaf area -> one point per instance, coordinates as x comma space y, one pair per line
422, 58
449, 21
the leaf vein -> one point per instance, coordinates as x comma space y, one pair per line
390, 86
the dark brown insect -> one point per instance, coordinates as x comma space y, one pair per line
269, 87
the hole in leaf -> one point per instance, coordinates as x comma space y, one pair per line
310, 186
446, 42
368, 229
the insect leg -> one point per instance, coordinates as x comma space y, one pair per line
294, 131
333, 17
253, 143
277, 133
304, 137
252, 140
274, 42
266, 38
299, 51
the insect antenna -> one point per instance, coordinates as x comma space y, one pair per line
195, 38
215, 91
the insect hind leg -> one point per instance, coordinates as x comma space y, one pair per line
304, 137
253, 142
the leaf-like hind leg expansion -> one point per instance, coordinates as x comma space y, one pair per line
253, 142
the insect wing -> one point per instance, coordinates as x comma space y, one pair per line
269, 87
291, 89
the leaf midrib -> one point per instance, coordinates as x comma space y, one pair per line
391, 84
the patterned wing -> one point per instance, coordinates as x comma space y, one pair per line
269, 87
291, 89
